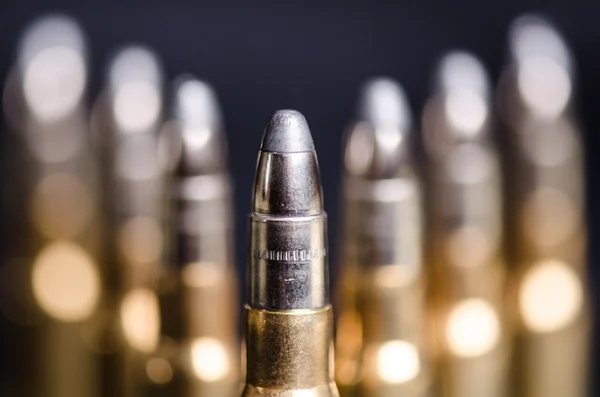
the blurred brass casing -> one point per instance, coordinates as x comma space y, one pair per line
468, 284
552, 350
198, 354
548, 243
204, 359
547, 231
465, 233
217, 311
290, 353
382, 332
393, 325
390, 288
382, 328
133, 200
51, 282
349, 331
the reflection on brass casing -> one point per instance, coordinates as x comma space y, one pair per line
289, 352
469, 279
465, 231
201, 356
213, 303
548, 238
382, 329
199, 350
395, 359
548, 242
349, 331
51, 288
391, 301
126, 120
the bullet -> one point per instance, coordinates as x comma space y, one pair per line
289, 321
199, 355
465, 230
53, 280
547, 218
382, 280
128, 120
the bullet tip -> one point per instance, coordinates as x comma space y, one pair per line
383, 104
196, 105
534, 35
287, 132
460, 70
51, 31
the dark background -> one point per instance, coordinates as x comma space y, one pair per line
312, 56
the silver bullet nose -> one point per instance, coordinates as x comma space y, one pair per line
50, 32
287, 132
543, 66
135, 88
533, 35
376, 143
288, 180
464, 90
52, 63
460, 70
288, 267
383, 104
198, 117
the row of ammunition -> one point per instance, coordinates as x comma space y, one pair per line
462, 261
124, 272
486, 294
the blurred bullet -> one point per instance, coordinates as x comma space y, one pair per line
382, 324
53, 284
547, 213
289, 321
128, 118
465, 201
199, 355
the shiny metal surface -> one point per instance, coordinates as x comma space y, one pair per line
289, 346
465, 199
382, 330
288, 243
548, 232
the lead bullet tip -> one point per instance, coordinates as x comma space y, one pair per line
287, 132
